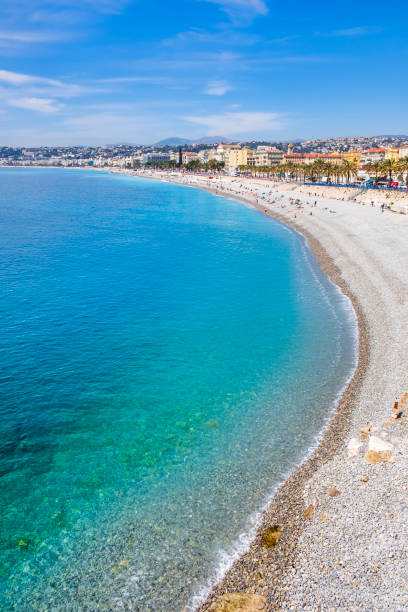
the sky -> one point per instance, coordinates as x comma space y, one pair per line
93, 72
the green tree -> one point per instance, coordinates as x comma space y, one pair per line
389, 166
317, 168
375, 169
330, 170
193, 165
216, 165
403, 167
348, 169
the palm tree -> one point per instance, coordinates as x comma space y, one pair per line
297, 171
389, 166
310, 171
273, 170
318, 167
348, 169
337, 172
194, 165
376, 169
403, 167
330, 169
289, 169
282, 170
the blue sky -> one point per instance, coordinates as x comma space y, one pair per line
107, 71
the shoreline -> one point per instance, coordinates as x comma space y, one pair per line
340, 545
286, 508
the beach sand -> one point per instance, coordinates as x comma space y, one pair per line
343, 538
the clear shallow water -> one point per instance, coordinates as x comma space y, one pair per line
166, 357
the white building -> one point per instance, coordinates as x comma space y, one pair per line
153, 158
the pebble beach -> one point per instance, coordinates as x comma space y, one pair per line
335, 535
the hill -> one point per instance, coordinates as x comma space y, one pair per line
175, 141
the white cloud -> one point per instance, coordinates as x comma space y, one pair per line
27, 22
257, 7
356, 31
41, 10
40, 86
16, 78
154, 80
233, 123
30, 37
42, 105
224, 34
217, 88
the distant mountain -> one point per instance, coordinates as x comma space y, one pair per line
175, 141
211, 140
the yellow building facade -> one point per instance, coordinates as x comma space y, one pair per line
392, 153
353, 157
238, 157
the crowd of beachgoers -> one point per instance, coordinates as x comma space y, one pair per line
288, 193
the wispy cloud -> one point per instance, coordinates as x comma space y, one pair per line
193, 62
37, 85
154, 80
17, 78
217, 88
224, 36
28, 22
30, 37
41, 10
282, 39
102, 6
234, 123
242, 11
288, 59
42, 105
356, 31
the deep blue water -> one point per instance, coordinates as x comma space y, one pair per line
166, 357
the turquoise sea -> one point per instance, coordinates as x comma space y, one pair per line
167, 356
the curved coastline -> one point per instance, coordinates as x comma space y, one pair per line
259, 570
287, 507
346, 550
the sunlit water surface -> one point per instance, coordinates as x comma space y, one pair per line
167, 356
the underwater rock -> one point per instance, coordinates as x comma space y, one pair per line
212, 423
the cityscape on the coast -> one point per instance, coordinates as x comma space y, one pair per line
379, 160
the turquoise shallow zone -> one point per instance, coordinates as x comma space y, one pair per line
167, 356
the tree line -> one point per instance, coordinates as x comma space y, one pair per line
345, 172
337, 173
195, 165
